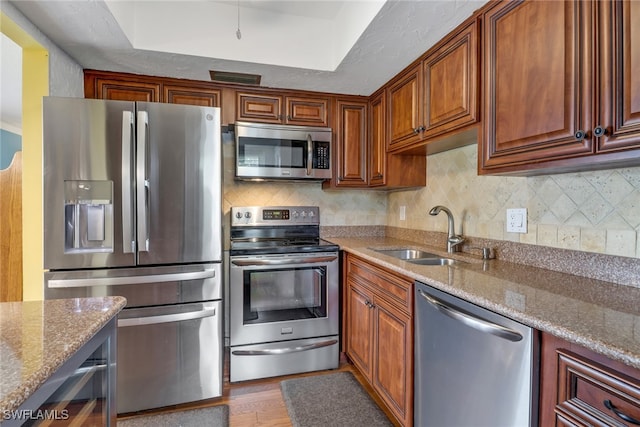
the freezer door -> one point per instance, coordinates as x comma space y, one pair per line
87, 167
179, 188
141, 286
169, 355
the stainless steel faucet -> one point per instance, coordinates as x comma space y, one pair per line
453, 240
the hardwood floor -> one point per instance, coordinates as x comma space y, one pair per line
260, 402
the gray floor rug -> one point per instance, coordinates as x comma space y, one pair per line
335, 399
214, 416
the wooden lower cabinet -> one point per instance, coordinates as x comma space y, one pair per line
579, 387
378, 332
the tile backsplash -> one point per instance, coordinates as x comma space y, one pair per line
595, 211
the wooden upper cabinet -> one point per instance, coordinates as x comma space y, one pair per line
377, 147
451, 83
307, 111
292, 110
537, 94
404, 111
124, 90
258, 108
351, 144
190, 95
561, 86
620, 116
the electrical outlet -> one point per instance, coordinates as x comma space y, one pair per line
517, 220
403, 213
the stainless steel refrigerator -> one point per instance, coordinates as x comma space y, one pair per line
132, 207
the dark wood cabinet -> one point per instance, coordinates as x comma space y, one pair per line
450, 73
189, 95
434, 100
292, 110
619, 116
404, 110
133, 87
579, 387
125, 90
560, 92
350, 142
377, 144
378, 332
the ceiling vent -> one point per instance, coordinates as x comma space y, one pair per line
238, 78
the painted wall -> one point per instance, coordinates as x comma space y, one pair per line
591, 211
46, 69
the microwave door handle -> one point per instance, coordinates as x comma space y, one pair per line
128, 239
142, 183
309, 153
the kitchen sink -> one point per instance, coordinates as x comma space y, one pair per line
416, 256
407, 254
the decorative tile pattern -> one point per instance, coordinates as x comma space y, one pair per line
596, 211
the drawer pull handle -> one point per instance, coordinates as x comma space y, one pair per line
620, 414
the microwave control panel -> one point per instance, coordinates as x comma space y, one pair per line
321, 156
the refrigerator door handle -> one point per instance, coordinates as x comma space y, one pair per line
131, 280
128, 239
167, 318
142, 183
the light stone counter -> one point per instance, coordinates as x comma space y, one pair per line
602, 316
37, 337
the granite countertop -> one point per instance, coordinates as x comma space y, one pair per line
602, 316
37, 337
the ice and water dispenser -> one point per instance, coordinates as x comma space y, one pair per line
88, 214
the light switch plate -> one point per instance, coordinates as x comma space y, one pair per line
403, 213
517, 220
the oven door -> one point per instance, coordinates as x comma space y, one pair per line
283, 297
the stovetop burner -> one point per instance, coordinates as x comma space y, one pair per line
275, 230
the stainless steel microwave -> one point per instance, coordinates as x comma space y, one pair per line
270, 151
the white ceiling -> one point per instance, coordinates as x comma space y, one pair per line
345, 46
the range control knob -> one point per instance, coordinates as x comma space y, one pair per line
247, 215
238, 215
311, 214
304, 214
295, 214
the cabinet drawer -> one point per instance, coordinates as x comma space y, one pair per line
392, 287
585, 389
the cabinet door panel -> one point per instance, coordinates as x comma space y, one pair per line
405, 115
451, 84
127, 91
621, 91
377, 142
359, 327
393, 330
351, 144
304, 111
537, 93
259, 108
191, 96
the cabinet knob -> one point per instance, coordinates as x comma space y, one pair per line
419, 129
580, 135
599, 131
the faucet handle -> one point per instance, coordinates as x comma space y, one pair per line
487, 253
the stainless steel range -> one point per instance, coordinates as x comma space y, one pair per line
284, 293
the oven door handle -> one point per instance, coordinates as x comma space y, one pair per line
287, 261
285, 350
